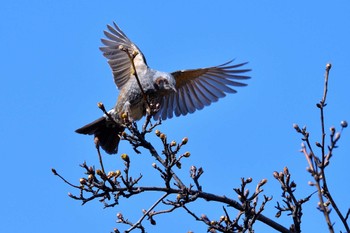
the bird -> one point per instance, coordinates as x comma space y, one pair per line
171, 94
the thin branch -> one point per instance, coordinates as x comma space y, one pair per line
147, 212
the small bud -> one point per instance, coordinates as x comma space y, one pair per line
263, 182
70, 194
54, 171
99, 172
154, 165
204, 218
184, 140
162, 136
121, 47
178, 165
178, 196
157, 132
278, 214
111, 174
311, 183
119, 215
280, 175
117, 173
285, 170
222, 218
344, 124
125, 157
275, 174
309, 169
96, 141
100, 105
249, 180
90, 177
152, 221
328, 66
187, 154
134, 53
124, 115
82, 181
296, 127
172, 143
318, 144
124, 134
332, 129
213, 222
293, 184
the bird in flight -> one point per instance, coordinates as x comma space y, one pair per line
174, 94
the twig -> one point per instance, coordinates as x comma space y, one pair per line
131, 57
147, 212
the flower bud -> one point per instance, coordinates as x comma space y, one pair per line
119, 215
278, 214
124, 115
82, 181
344, 124
54, 171
90, 177
125, 157
311, 183
184, 140
172, 143
157, 132
100, 105
187, 154
111, 174
154, 165
275, 174
178, 165
162, 136
262, 182
249, 180
293, 184
99, 172
117, 173
296, 127
222, 218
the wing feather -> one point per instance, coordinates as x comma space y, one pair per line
197, 88
118, 59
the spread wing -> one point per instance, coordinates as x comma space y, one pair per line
117, 58
200, 87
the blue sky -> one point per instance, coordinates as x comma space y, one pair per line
54, 74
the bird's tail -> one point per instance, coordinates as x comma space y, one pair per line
107, 132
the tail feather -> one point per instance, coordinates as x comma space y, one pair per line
107, 132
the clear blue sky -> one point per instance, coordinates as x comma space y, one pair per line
53, 75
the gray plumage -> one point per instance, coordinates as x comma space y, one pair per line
177, 93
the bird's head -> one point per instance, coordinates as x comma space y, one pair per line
165, 82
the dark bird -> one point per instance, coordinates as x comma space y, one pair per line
177, 93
